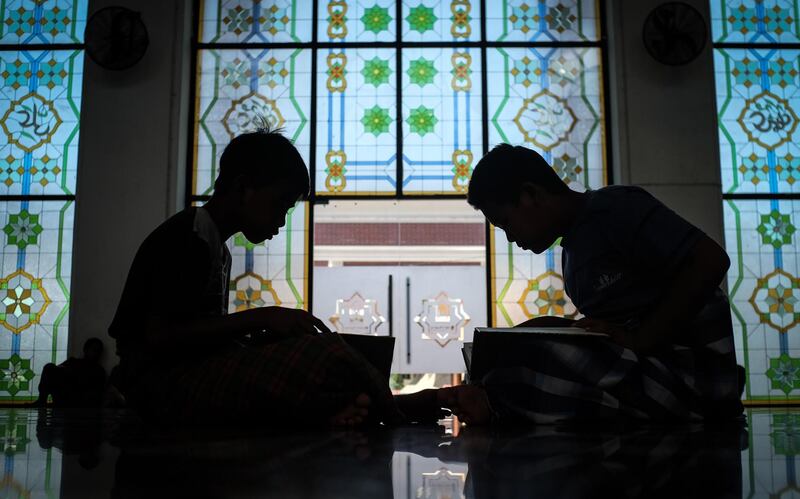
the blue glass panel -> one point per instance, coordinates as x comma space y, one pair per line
542, 20
236, 88
758, 104
34, 291
42, 21
550, 100
256, 21
40, 101
764, 291
755, 21
442, 127
356, 122
357, 21
443, 20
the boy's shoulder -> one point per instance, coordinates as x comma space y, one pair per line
179, 226
175, 236
613, 194
615, 198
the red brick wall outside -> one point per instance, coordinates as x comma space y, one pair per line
402, 234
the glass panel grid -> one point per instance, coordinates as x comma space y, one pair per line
441, 119
550, 100
543, 20
357, 21
42, 22
758, 95
356, 121
764, 22
757, 102
255, 21
239, 87
764, 290
40, 102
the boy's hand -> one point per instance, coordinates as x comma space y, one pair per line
470, 403
290, 321
634, 340
618, 335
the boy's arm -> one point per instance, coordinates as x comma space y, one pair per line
169, 333
695, 279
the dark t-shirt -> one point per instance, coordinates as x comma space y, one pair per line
181, 270
622, 252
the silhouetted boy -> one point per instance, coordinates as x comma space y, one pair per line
76, 382
182, 354
637, 272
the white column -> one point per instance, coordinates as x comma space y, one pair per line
131, 167
664, 119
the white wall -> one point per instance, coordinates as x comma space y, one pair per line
131, 164
664, 118
134, 136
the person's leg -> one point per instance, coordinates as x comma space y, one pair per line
354, 414
308, 379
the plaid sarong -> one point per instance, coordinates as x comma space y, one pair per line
571, 379
291, 380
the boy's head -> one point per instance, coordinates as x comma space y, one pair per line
263, 175
521, 194
93, 349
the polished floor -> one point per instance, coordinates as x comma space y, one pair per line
85, 455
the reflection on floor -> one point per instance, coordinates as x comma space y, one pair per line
81, 454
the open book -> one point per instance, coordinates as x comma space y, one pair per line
560, 331
507, 347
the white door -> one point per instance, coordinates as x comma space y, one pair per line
356, 300
442, 306
430, 310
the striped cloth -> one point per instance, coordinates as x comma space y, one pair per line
572, 379
291, 380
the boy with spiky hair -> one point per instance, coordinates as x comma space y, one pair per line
639, 273
181, 353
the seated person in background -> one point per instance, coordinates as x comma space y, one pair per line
76, 382
183, 356
638, 272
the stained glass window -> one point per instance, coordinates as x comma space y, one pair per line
42, 22
39, 108
757, 103
40, 104
550, 100
256, 21
401, 99
755, 22
357, 121
543, 21
456, 20
357, 21
239, 86
441, 119
760, 236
